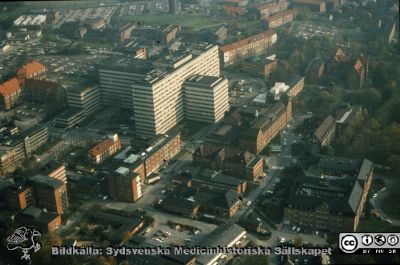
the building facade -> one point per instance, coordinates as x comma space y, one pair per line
124, 185
206, 98
252, 46
259, 67
10, 93
50, 193
104, 149
158, 97
332, 197
280, 18
87, 98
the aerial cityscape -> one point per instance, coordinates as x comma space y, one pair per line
199, 132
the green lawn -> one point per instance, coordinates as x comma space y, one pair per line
186, 20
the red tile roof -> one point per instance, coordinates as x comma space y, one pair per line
9, 86
31, 68
244, 42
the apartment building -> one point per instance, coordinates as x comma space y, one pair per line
206, 98
229, 161
47, 92
20, 147
325, 133
313, 5
116, 78
125, 32
249, 47
19, 196
32, 70
69, 118
331, 197
160, 150
263, 124
214, 180
280, 18
237, 3
104, 149
259, 66
263, 11
10, 93
124, 185
50, 193
87, 98
55, 170
158, 105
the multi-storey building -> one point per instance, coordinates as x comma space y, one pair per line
160, 150
19, 196
264, 126
280, 18
237, 3
173, 6
259, 66
50, 93
124, 185
265, 10
331, 197
10, 93
313, 5
55, 170
116, 78
32, 70
325, 133
104, 149
87, 98
252, 46
20, 147
206, 98
158, 105
69, 118
125, 32
230, 161
50, 193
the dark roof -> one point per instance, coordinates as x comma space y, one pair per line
50, 167
183, 204
42, 180
222, 199
321, 131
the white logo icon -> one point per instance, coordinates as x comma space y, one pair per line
349, 243
380, 240
23, 238
367, 240
392, 240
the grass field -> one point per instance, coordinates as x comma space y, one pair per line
189, 21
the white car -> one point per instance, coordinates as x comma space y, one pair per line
248, 203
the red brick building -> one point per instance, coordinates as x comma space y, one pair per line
10, 93
280, 18
19, 196
104, 149
50, 193
32, 70
248, 47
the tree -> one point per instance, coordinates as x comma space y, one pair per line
298, 241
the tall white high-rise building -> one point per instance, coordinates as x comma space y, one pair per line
158, 97
206, 98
